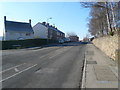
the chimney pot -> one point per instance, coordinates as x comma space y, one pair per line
30, 21
47, 24
43, 23
4, 18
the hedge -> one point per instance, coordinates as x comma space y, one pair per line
13, 44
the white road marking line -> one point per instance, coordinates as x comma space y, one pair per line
43, 56
50, 52
46, 55
18, 73
16, 69
58, 52
12, 67
54, 55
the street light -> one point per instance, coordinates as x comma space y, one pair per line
48, 27
48, 19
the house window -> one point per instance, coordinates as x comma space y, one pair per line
27, 34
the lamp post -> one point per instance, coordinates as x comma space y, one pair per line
48, 28
48, 19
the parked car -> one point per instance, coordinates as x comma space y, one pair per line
66, 39
61, 41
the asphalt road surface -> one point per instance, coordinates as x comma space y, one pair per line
58, 66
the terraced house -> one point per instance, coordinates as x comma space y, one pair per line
17, 30
44, 30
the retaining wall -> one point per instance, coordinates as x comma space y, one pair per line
108, 44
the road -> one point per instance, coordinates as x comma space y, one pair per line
57, 66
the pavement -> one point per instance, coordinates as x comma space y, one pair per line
99, 70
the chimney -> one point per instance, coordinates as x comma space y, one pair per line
53, 26
43, 23
30, 21
4, 18
47, 24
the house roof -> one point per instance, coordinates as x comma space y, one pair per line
50, 27
53, 28
56, 29
18, 26
60, 31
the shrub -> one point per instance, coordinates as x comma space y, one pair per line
111, 33
25, 43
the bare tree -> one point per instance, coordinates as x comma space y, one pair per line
71, 34
102, 17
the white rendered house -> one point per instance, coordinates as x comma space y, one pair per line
40, 31
17, 30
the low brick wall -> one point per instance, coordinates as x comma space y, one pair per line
108, 44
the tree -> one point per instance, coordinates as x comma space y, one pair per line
71, 34
102, 17
97, 22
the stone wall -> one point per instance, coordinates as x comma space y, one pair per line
108, 44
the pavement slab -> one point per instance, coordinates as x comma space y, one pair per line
103, 73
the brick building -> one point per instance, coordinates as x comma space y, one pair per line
74, 38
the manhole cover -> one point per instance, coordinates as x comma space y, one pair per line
91, 62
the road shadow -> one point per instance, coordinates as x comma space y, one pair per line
67, 44
60, 45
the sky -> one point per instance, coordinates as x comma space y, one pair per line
67, 16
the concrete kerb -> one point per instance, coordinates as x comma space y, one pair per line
83, 84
